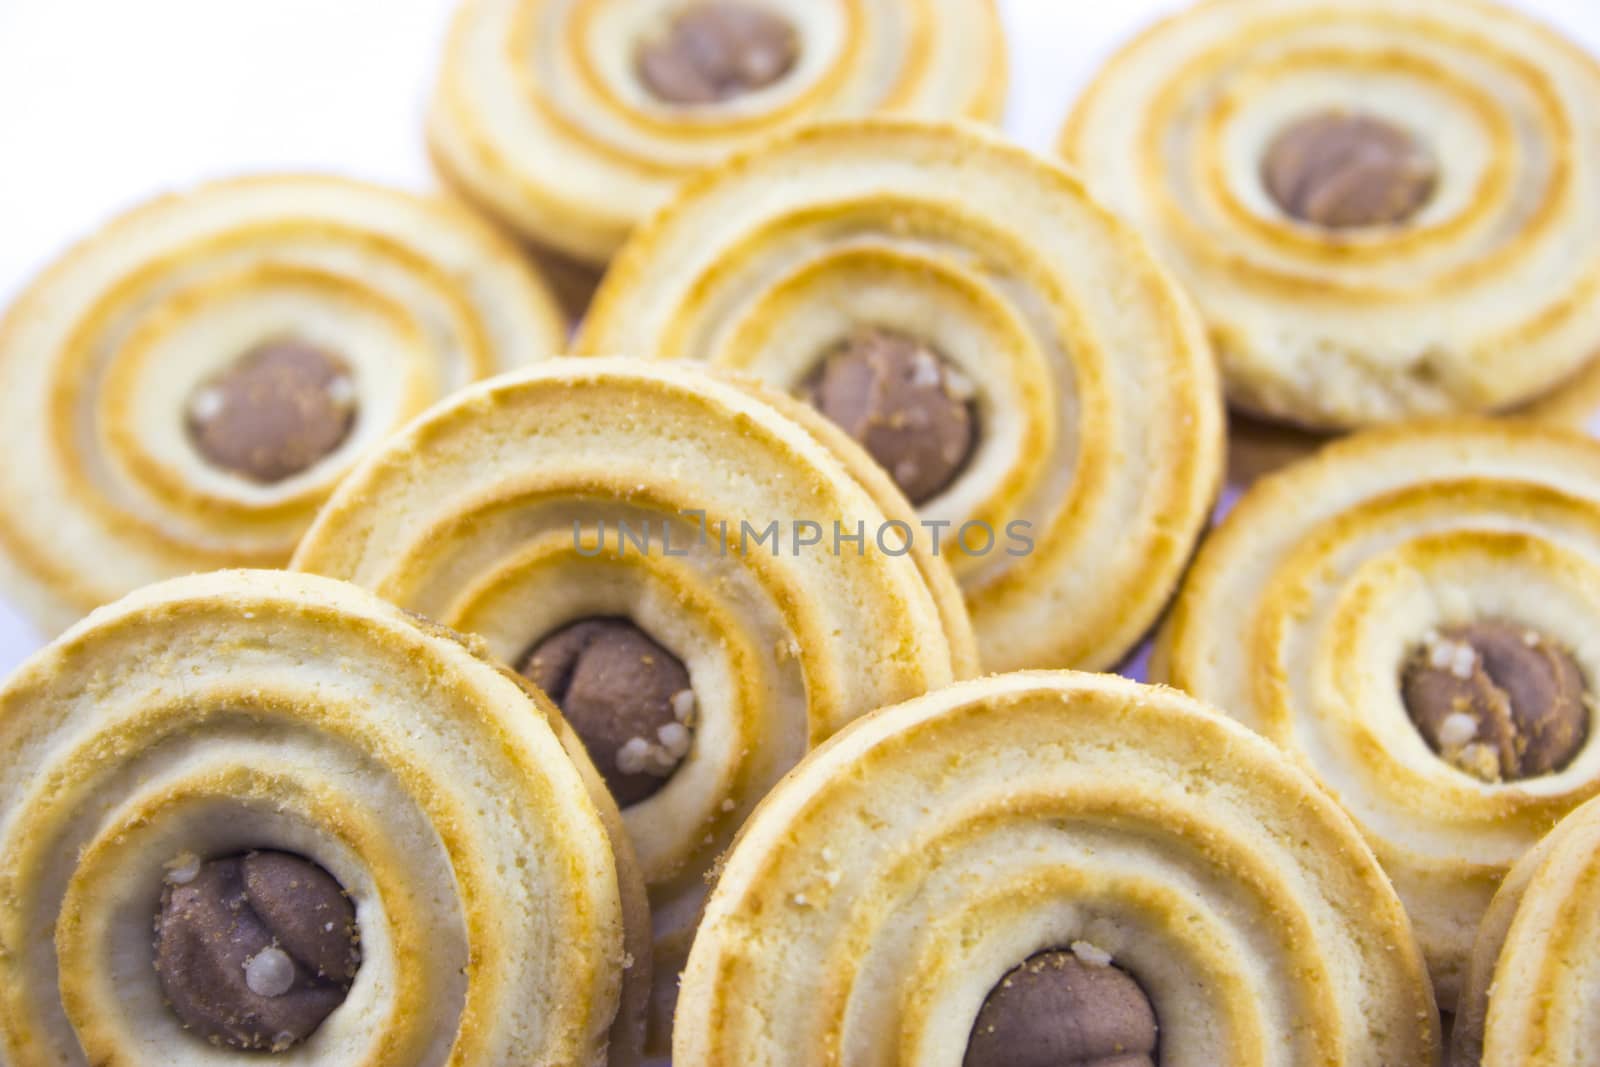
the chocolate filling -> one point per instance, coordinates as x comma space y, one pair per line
628, 698
904, 404
274, 412
1065, 1008
1342, 171
716, 51
1499, 701
254, 951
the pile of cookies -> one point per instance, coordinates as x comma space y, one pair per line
439, 681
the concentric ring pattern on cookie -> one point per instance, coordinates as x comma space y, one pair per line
255, 812
1527, 1000
628, 535
1008, 351
1052, 868
573, 119
1385, 208
1413, 613
180, 391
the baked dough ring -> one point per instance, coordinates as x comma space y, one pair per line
473, 515
107, 358
1303, 607
883, 889
1486, 296
496, 895
542, 116
1098, 408
1529, 996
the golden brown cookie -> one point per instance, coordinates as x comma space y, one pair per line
255, 811
1009, 352
694, 577
572, 120
1527, 1000
181, 391
1413, 614
1052, 868
1384, 209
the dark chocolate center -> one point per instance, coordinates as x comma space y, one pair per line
1497, 700
1064, 1008
1342, 171
274, 412
628, 698
254, 951
904, 404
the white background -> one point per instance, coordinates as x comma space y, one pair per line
106, 102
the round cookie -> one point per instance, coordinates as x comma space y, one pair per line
573, 121
266, 811
630, 535
1052, 868
1010, 353
1527, 1000
188, 384
1412, 614
1384, 208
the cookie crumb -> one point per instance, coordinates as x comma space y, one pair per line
269, 973
683, 706
207, 404
633, 756
1092, 954
675, 740
1458, 729
342, 390
183, 868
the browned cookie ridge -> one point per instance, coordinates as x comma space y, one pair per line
190, 382
1052, 869
1417, 608
289, 820
1383, 217
910, 281
574, 122
582, 520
